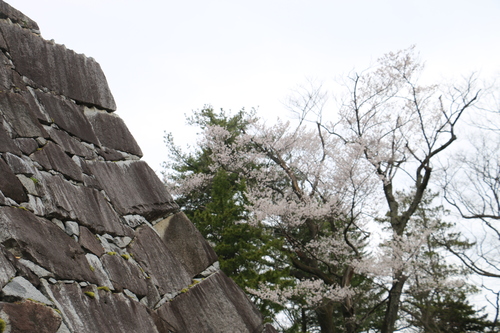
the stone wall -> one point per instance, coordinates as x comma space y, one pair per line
90, 240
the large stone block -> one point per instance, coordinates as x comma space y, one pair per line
103, 311
43, 243
124, 274
10, 184
30, 316
9, 78
112, 131
68, 116
214, 305
69, 143
6, 11
51, 157
7, 270
168, 274
186, 242
133, 188
85, 205
21, 116
57, 68
6, 143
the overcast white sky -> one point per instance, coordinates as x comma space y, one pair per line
164, 58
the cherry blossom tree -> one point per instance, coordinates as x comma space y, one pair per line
327, 183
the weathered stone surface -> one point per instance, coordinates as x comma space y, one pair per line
19, 287
77, 210
99, 271
89, 241
6, 11
48, 247
6, 143
185, 241
110, 154
20, 165
57, 68
158, 261
9, 78
112, 132
20, 116
68, 116
68, 143
220, 307
27, 145
82, 204
133, 188
30, 316
105, 312
51, 157
10, 185
124, 274
7, 270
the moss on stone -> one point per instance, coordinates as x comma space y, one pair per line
104, 288
125, 256
3, 324
90, 294
112, 253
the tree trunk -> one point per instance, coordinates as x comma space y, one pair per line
325, 317
303, 320
347, 304
391, 313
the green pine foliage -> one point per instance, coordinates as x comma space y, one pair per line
248, 254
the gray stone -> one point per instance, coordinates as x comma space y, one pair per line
112, 131
63, 329
10, 185
186, 242
134, 188
39, 271
68, 116
19, 287
130, 295
72, 228
89, 241
28, 316
105, 312
35, 204
48, 247
124, 274
214, 305
100, 272
7, 270
84, 205
9, 78
26, 145
51, 157
134, 221
57, 68
68, 143
6, 11
20, 116
158, 261
6, 143
20, 165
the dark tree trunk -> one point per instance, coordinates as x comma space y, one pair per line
303, 320
391, 313
347, 305
325, 317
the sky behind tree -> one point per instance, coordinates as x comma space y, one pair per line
163, 58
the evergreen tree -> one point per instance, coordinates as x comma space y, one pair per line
248, 254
